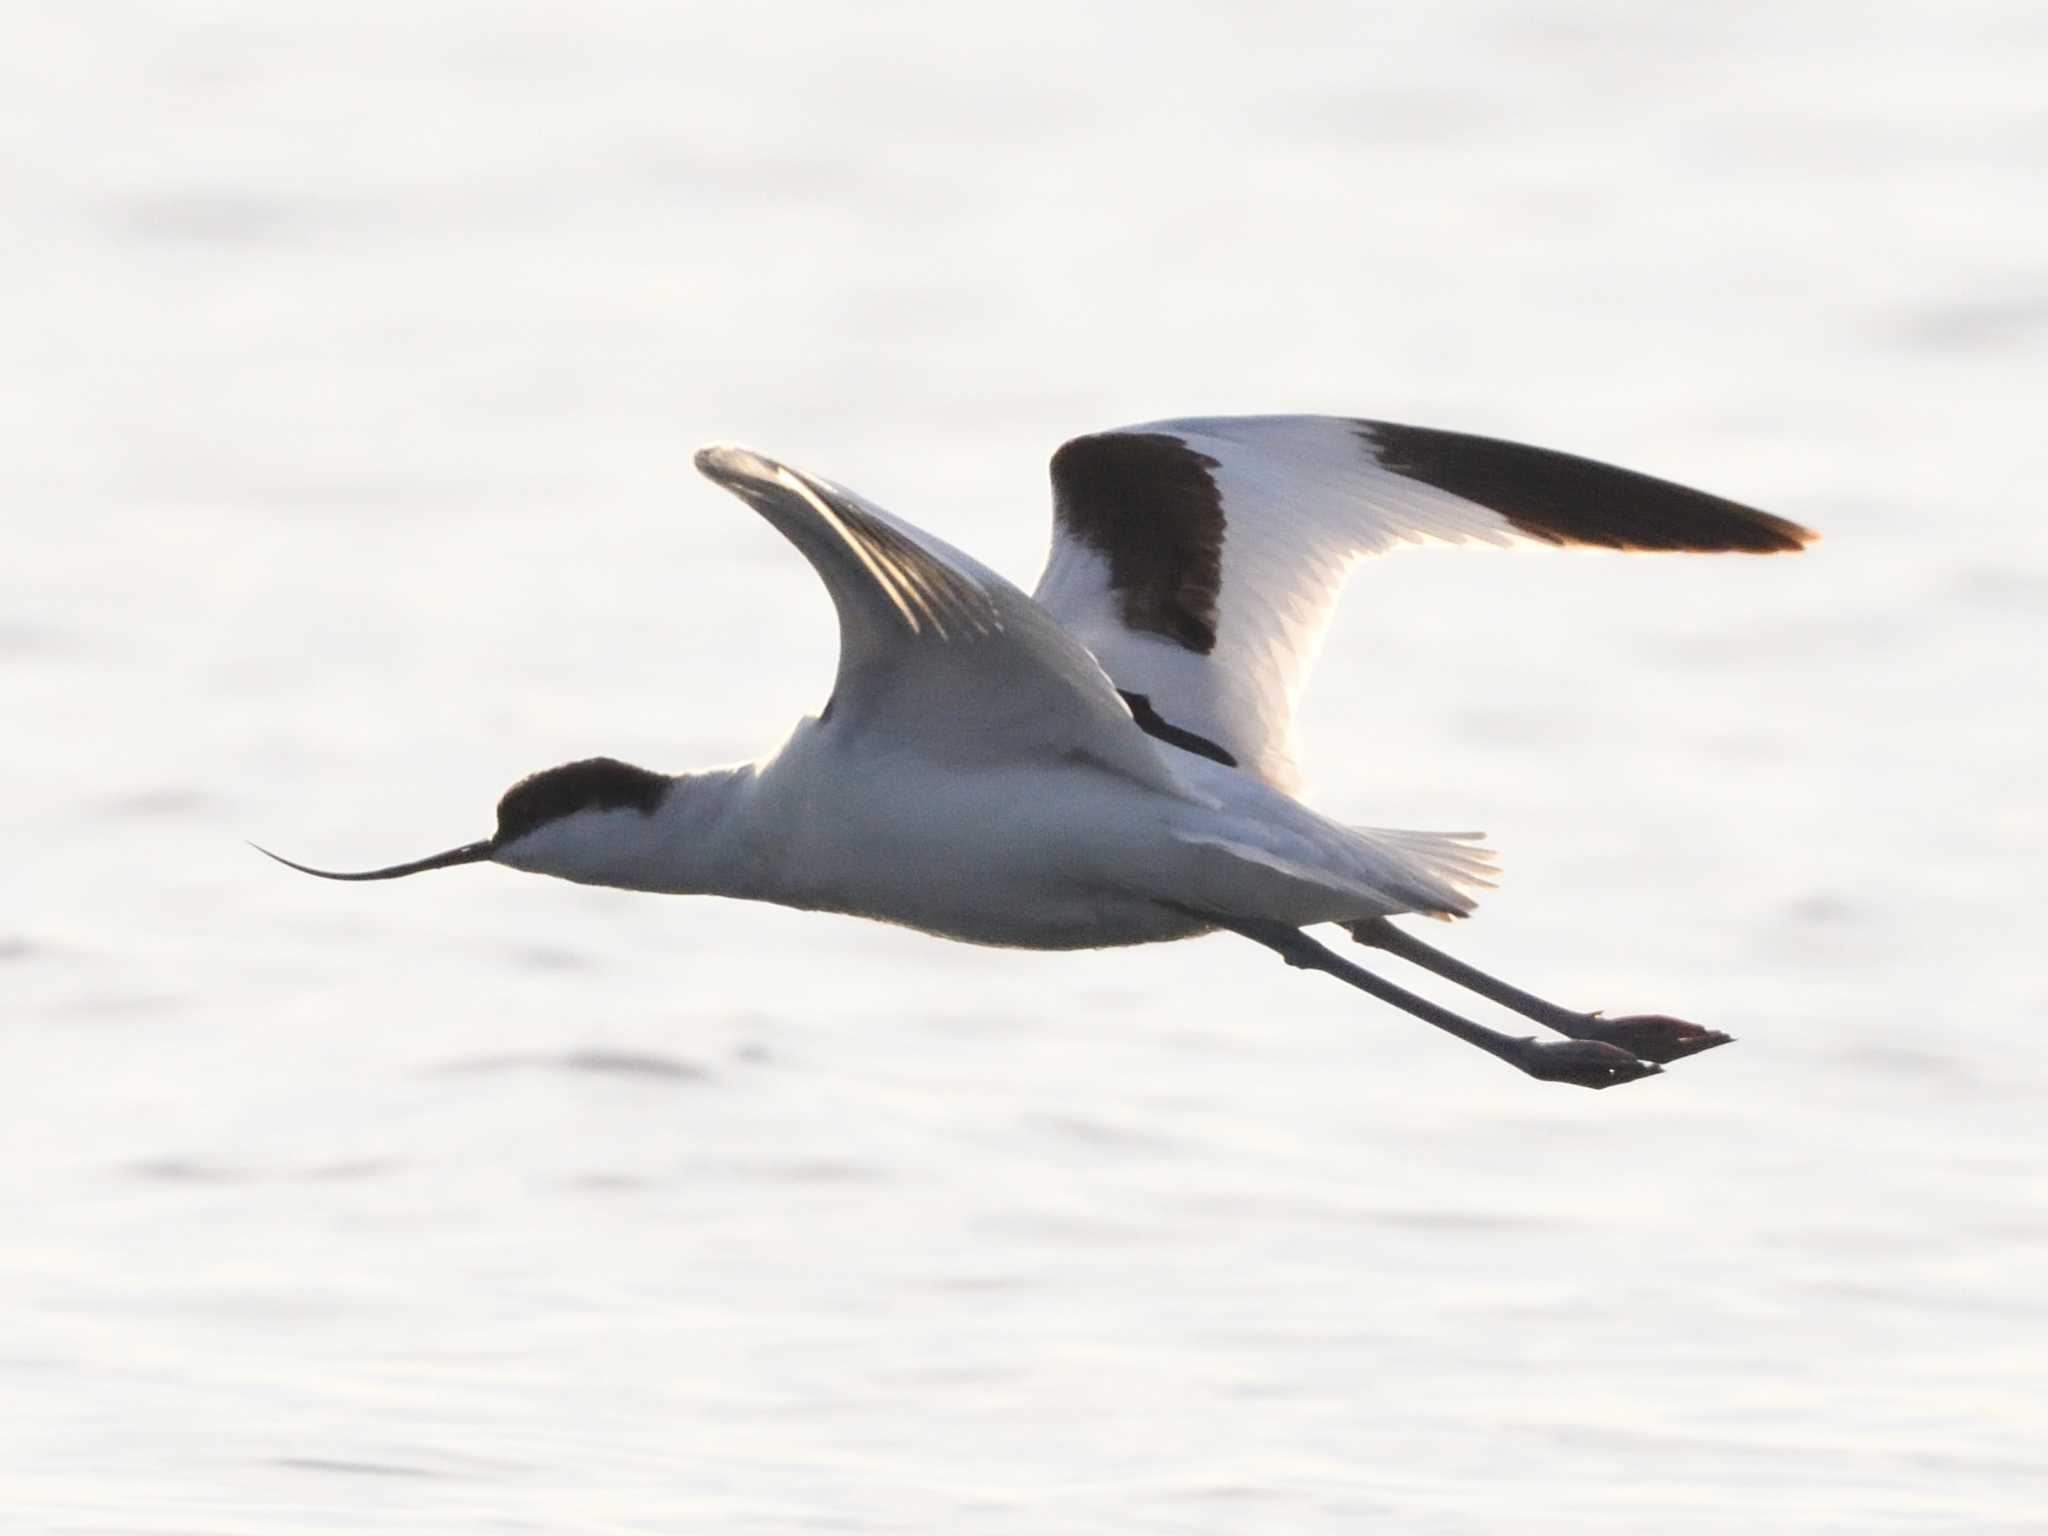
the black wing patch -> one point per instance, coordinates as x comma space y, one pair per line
1563, 499
1147, 502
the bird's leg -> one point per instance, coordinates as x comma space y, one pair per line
1589, 1063
1651, 1036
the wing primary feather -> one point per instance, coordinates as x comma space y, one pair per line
1560, 498
939, 656
884, 583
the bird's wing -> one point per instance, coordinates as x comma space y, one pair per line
937, 653
1199, 560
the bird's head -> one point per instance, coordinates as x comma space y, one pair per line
578, 822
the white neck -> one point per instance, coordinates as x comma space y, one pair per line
701, 840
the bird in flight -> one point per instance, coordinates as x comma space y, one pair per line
1111, 760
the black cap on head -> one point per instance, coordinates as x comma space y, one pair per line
595, 783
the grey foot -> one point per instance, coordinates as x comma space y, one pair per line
1652, 1036
1589, 1063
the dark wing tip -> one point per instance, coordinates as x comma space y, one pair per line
1561, 498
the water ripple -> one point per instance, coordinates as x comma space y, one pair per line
599, 1060
350, 1468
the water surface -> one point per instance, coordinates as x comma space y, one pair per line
355, 362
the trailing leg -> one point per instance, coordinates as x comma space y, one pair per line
1651, 1036
1588, 1063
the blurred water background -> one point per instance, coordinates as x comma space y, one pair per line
354, 359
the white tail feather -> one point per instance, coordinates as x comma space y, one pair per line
1445, 866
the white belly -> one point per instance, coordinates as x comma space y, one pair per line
1031, 857
1043, 853
1049, 856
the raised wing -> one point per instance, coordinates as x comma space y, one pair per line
1199, 559
936, 651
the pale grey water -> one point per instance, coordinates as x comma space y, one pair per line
354, 361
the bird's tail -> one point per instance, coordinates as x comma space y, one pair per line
1437, 871
1371, 872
